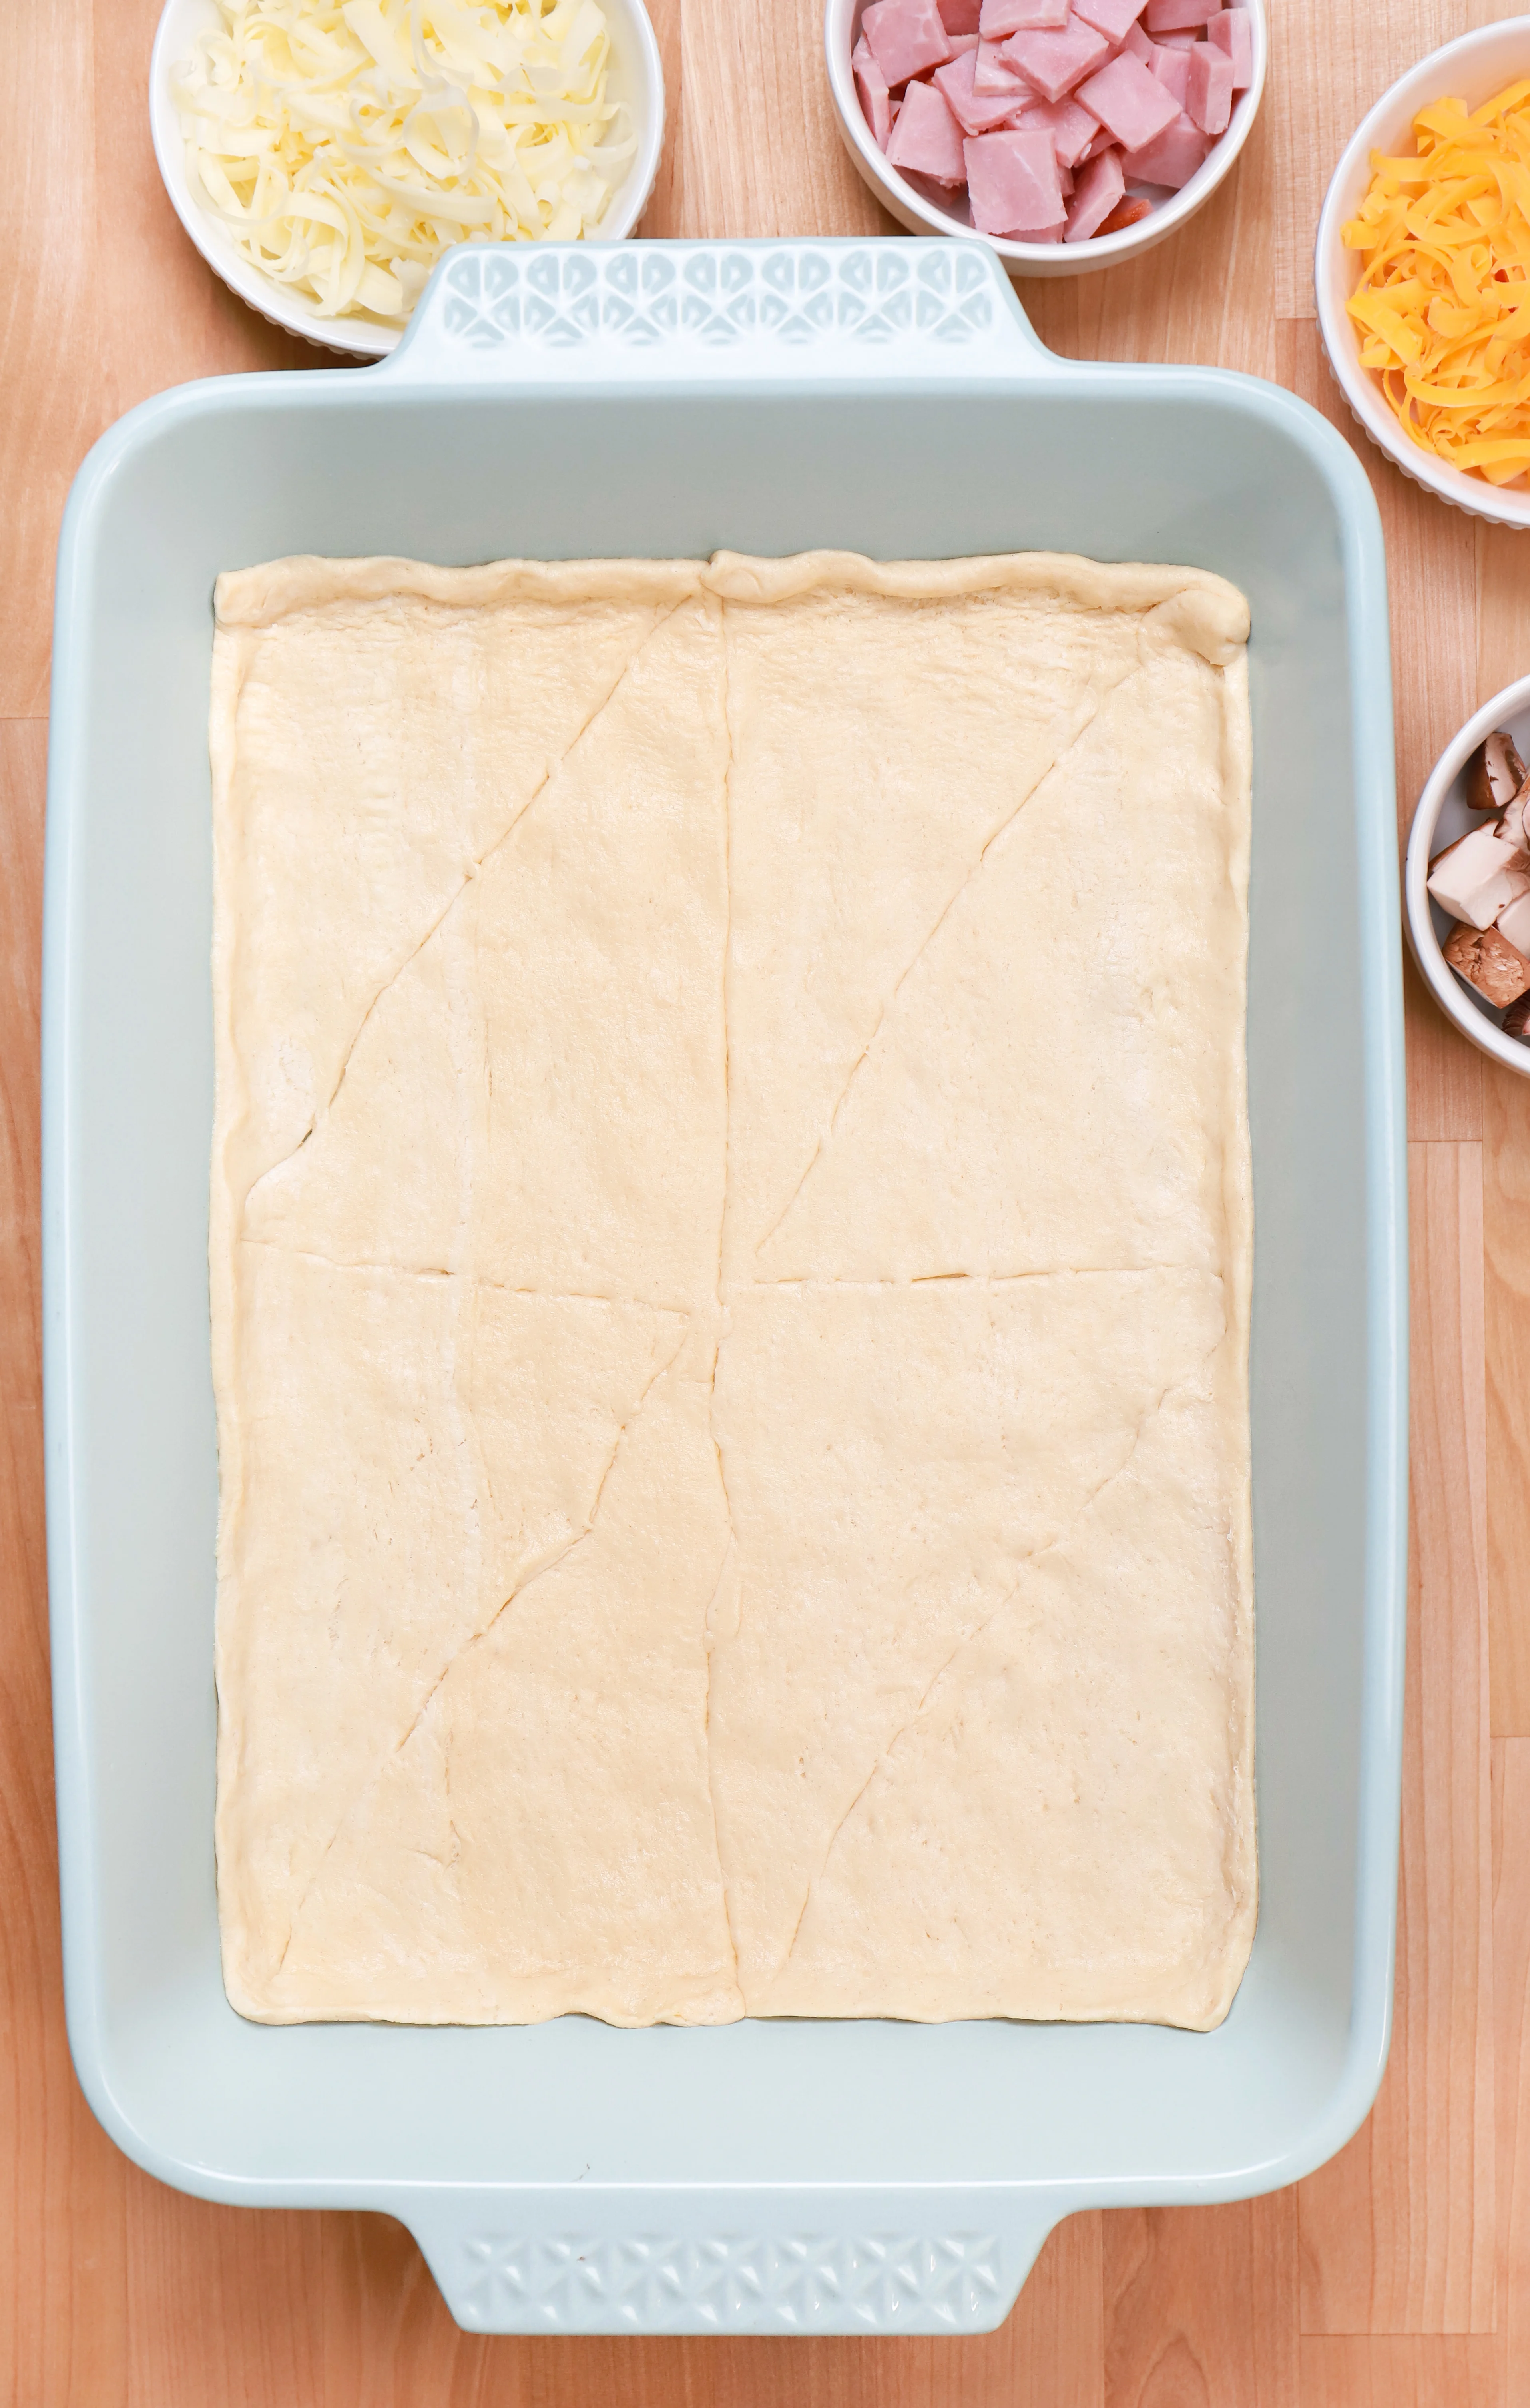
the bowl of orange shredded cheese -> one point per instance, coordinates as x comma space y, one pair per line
1423, 273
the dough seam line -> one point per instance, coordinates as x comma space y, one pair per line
991, 1279
474, 1280
746, 1287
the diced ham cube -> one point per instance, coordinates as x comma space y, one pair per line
1209, 88
1171, 158
1177, 41
1013, 184
1100, 187
963, 42
871, 84
1055, 63
1233, 32
1002, 18
993, 73
906, 37
973, 113
1136, 40
1112, 18
1130, 102
926, 137
1177, 16
1071, 127
959, 16
1172, 69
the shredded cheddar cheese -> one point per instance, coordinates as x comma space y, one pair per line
345, 145
1443, 304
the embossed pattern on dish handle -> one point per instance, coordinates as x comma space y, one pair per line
518, 2265
523, 313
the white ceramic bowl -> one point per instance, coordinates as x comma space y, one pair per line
922, 214
1442, 816
1471, 69
636, 76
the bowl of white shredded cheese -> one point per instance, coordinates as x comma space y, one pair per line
322, 154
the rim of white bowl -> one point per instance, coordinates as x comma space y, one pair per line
1460, 67
1443, 984
921, 216
360, 338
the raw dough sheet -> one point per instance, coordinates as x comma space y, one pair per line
730, 1256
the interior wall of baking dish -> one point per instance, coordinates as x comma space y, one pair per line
1132, 465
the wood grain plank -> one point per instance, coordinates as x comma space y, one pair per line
1433, 2372
661, 220
1432, 583
222, 2302
1397, 2233
1503, 608
1444, 1073
62, 2265
1511, 2023
1506, 1232
1200, 2305
760, 148
52, 408
1332, 60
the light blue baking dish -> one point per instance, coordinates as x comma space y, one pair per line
794, 2177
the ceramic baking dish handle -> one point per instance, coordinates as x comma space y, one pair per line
605, 314
693, 2262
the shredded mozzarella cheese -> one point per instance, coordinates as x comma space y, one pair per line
1443, 305
344, 144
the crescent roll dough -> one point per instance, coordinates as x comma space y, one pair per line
729, 1259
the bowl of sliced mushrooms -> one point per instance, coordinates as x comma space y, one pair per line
1466, 880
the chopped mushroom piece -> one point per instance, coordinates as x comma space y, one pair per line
1478, 875
1494, 773
1511, 829
1488, 962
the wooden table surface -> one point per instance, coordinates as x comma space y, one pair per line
1399, 2275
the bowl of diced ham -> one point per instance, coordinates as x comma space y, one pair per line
1466, 880
1069, 133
